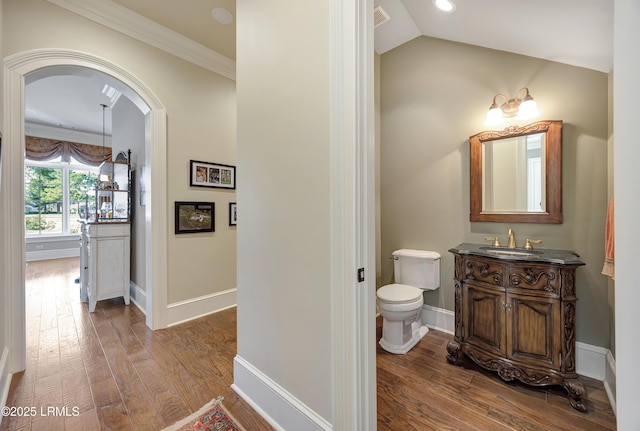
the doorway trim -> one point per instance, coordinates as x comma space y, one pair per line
16, 67
352, 215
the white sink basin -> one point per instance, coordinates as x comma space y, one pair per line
511, 251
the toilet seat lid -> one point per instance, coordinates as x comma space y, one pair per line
399, 293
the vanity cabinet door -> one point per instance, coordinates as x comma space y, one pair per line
533, 330
484, 318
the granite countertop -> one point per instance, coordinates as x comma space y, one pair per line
563, 257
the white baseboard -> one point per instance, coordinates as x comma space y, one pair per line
438, 319
5, 379
610, 380
275, 404
183, 311
31, 256
138, 296
590, 360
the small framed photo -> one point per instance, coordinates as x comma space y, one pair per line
204, 174
233, 214
193, 217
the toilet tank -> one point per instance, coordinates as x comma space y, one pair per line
418, 268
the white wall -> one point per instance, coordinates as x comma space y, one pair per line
283, 198
306, 326
4, 280
128, 125
626, 154
200, 108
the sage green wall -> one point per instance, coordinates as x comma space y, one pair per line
434, 95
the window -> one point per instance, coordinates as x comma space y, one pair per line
57, 196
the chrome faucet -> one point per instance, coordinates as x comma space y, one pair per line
511, 242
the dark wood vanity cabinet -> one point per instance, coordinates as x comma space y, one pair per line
517, 317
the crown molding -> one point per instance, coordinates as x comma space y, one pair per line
125, 21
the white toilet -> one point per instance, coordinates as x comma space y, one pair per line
400, 304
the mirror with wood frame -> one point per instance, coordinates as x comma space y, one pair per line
516, 174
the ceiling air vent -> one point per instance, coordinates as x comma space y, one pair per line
379, 16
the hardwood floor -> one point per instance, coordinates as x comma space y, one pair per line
118, 375
110, 368
421, 391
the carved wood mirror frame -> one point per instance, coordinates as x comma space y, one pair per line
553, 168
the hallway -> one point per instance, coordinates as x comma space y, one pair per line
107, 370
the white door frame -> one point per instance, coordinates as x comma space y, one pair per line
16, 67
352, 177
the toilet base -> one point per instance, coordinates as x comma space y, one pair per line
418, 332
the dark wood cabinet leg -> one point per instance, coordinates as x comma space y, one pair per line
576, 392
455, 354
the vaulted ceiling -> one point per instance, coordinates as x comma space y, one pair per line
576, 32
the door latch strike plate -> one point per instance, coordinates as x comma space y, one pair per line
360, 275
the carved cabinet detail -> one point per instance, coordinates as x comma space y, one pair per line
517, 317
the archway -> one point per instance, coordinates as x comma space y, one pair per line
17, 67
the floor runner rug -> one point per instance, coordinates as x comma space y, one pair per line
211, 417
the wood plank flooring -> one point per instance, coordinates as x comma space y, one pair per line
110, 369
421, 391
119, 375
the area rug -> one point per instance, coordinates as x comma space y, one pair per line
212, 417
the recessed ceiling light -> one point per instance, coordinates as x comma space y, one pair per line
445, 5
222, 15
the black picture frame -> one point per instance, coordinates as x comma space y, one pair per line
233, 214
214, 175
195, 217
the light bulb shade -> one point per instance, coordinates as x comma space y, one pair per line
528, 109
445, 5
494, 117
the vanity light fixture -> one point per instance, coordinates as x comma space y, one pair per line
445, 5
523, 108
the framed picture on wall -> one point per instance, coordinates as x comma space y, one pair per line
233, 214
204, 174
194, 217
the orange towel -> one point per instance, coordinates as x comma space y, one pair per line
609, 267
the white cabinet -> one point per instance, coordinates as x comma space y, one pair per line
105, 262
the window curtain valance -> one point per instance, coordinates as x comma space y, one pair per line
42, 149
